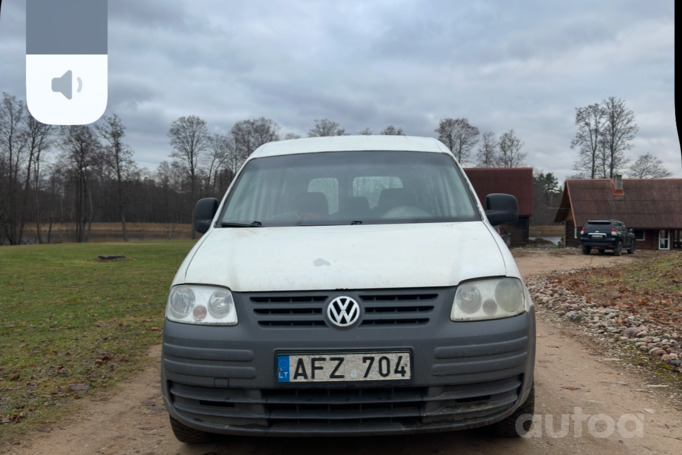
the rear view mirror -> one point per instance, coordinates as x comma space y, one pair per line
204, 212
501, 209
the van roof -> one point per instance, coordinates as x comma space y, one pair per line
351, 143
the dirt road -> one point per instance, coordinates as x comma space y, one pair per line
569, 379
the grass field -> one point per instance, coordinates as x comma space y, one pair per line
70, 324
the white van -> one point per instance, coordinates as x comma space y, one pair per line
349, 285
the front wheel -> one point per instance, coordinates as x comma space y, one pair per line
618, 250
188, 435
587, 249
507, 428
631, 250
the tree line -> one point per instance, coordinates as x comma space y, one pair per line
86, 173
460, 137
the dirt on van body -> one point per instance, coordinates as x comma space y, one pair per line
575, 381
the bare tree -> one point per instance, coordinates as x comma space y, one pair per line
390, 130
459, 136
220, 149
170, 180
118, 158
248, 135
12, 147
290, 136
80, 149
52, 170
37, 137
487, 151
509, 147
325, 127
235, 157
365, 132
619, 130
648, 166
189, 139
591, 121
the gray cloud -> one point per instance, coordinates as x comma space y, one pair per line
524, 65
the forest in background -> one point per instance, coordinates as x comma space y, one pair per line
85, 174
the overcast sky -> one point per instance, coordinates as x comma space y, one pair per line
525, 65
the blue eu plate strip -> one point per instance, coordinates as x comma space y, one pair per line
283, 368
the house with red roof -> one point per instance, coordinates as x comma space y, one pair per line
652, 207
515, 181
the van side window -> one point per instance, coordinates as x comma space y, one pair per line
371, 187
329, 186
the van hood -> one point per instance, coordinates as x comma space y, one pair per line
345, 257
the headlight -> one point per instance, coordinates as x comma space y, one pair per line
201, 305
492, 298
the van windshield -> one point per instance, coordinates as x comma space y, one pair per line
338, 188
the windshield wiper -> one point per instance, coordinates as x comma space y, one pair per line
356, 222
253, 224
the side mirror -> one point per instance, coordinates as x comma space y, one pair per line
501, 208
204, 212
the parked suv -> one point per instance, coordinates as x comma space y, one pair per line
349, 285
607, 235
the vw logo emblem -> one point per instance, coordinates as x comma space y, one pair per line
343, 311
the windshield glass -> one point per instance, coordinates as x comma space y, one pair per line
349, 188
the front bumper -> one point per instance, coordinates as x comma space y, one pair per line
465, 375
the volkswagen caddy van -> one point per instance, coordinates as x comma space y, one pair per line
349, 285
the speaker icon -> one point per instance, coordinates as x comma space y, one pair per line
64, 84
56, 96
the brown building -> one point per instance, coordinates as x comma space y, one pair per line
652, 207
515, 181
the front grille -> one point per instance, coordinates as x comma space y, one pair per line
289, 299
409, 406
392, 322
287, 311
284, 310
398, 297
391, 309
305, 323
381, 308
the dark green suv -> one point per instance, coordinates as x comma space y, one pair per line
607, 235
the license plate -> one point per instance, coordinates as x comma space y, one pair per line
597, 236
365, 366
